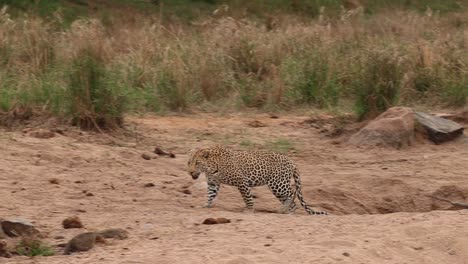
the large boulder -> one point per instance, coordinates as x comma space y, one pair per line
393, 128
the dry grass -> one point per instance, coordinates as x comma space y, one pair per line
221, 62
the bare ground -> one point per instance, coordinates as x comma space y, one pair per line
377, 198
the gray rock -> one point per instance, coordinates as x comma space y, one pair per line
438, 129
114, 233
18, 227
81, 242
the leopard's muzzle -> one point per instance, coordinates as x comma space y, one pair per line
195, 175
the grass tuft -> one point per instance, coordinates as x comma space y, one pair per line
95, 103
33, 247
378, 84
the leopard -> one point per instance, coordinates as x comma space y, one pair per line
246, 169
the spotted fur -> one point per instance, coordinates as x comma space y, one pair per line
247, 169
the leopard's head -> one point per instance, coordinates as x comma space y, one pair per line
202, 160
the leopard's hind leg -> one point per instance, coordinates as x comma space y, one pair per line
282, 190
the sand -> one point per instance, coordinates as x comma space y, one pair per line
380, 211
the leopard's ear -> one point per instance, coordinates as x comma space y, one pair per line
191, 151
205, 153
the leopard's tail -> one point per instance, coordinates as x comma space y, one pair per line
297, 180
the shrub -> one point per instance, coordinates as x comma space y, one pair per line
95, 101
377, 84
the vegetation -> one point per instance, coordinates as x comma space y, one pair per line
93, 62
33, 247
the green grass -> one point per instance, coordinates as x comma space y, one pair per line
33, 247
281, 145
93, 71
190, 10
247, 144
377, 84
95, 101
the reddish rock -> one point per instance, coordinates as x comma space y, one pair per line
393, 128
72, 222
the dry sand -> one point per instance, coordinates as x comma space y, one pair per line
377, 198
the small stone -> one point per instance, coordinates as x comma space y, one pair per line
59, 237
89, 194
256, 123
346, 254
210, 221
53, 181
42, 133
186, 191
154, 238
146, 156
273, 116
150, 184
72, 222
159, 151
223, 220
267, 245
114, 233
213, 221
78, 181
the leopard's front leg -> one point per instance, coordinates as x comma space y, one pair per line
246, 193
213, 188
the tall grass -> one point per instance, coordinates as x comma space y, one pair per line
103, 69
94, 100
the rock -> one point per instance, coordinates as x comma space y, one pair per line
72, 222
114, 233
3, 250
210, 221
42, 133
149, 184
146, 156
16, 228
393, 128
161, 152
54, 181
438, 129
186, 191
2, 234
213, 221
256, 123
82, 242
223, 220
